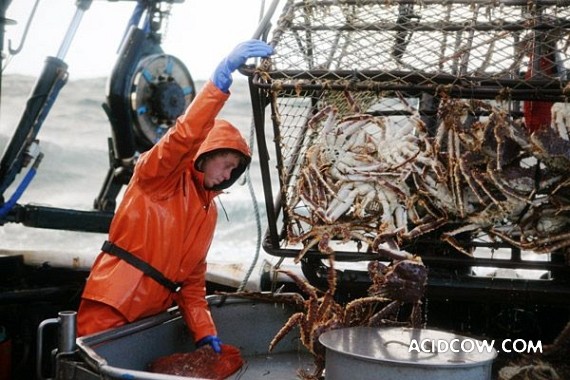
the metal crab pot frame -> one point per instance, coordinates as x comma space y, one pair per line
393, 59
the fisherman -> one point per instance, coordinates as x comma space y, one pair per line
164, 225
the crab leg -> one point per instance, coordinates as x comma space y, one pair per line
289, 325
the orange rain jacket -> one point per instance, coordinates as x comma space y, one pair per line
167, 219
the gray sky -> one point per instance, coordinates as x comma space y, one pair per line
200, 33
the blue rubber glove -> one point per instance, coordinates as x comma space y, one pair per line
222, 77
213, 341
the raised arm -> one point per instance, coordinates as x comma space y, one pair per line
179, 146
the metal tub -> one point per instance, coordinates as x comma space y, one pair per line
125, 352
396, 353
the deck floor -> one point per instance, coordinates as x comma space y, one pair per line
283, 366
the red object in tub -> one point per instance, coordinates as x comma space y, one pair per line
203, 363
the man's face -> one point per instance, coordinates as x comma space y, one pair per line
218, 168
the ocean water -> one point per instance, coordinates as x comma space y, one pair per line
74, 142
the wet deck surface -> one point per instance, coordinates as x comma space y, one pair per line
281, 366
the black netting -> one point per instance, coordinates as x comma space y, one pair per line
477, 48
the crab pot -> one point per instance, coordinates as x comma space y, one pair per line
391, 354
451, 75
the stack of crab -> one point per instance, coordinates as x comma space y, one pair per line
367, 180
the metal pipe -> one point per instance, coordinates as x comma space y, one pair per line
40, 344
264, 23
67, 332
26, 30
82, 6
66, 337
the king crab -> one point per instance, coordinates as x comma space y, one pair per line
402, 282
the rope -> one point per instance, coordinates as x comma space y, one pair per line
256, 213
252, 194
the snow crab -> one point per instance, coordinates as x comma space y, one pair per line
345, 162
352, 181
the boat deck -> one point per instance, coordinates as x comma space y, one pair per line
276, 366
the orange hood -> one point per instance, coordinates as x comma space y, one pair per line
224, 136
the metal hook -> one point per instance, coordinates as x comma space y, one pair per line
17, 50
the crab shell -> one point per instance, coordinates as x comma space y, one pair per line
404, 281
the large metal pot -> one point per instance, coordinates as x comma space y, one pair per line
397, 353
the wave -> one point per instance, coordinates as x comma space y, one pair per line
74, 140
